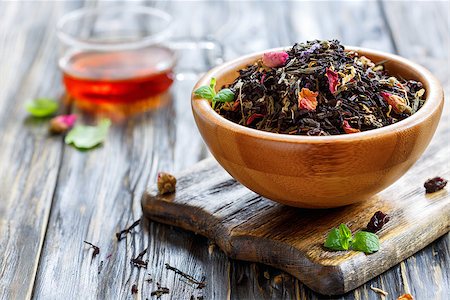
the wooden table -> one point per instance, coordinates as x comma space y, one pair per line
52, 197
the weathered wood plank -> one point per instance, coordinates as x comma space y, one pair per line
29, 157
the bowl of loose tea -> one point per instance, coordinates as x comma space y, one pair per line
317, 125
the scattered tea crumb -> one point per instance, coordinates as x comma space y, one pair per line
266, 275
405, 297
121, 234
434, 184
96, 249
134, 289
138, 261
211, 247
200, 284
166, 183
377, 221
100, 267
379, 291
160, 291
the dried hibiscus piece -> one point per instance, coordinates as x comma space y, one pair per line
398, 103
275, 59
434, 184
377, 221
252, 118
166, 183
405, 297
307, 99
333, 80
349, 129
62, 123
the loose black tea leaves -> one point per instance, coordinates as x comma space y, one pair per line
434, 184
160, 291
318, 88
121, 234
138, 261
134, 289
96, 249
200, 283
377, 221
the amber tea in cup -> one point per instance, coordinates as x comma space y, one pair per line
116, 59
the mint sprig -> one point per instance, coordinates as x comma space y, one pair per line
341, 238
209, 93
41, 107
86, 137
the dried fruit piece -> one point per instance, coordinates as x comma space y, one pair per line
62, 123
349, 129
166, 183
398, 103
434, 184
405, 297
307, 99
252, 118
377, 221
275, 59
333, 80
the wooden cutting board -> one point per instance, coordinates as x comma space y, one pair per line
249, 227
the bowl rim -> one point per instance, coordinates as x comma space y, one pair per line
432, 103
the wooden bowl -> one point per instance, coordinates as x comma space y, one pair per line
320, 171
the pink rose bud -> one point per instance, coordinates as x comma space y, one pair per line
398, 103
333, 80
62, 123
275, 59
307, 99
349, 129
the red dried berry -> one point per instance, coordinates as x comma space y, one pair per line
434, 184
377, 221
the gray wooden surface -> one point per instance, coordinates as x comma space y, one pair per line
52, 197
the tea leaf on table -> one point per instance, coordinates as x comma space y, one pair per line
87, 137
366, 242
41, 107
339, 239
224, 95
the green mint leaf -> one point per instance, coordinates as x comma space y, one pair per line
339, 239
212, 83
41, 107
224, 95
205, 92
366, 242
87, 137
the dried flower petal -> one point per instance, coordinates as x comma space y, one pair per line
252, 118
349, 129
275, 59
348, 77
307, 99
398, 103
62, 124
405, 297
333, 80
166, 183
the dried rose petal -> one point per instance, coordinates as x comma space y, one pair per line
434, 184
275, 59
349, 129
62, 123
333, 80
307, 99
252, 118
398, 103
166, 183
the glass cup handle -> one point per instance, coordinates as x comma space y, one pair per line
196, 56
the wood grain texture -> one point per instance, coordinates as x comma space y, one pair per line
248, 227
28, 69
